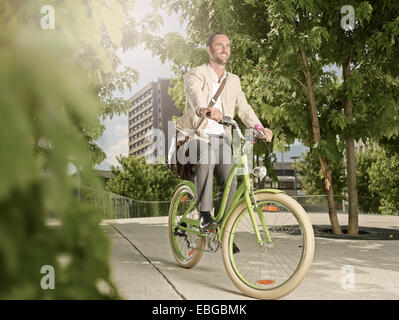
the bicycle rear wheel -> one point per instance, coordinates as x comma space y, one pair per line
275, 269
187, 247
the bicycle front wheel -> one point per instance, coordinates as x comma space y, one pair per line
187, 247
274, 269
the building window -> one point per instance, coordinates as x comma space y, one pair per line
288, 185
285, 172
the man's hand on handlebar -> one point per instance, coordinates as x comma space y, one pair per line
264, 133
267, 134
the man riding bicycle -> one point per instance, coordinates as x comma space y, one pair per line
214, 140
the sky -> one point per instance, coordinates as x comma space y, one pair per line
115, 141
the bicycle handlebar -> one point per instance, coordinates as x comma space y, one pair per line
228, 121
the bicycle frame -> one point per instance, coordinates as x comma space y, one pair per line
243, 193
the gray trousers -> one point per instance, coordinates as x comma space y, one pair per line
212, 159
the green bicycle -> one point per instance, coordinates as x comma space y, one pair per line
272, 231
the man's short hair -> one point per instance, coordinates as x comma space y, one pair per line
213, 35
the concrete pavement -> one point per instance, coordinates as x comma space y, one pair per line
143, 267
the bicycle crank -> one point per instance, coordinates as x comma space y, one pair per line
212, 243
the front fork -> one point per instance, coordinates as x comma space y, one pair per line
249, 193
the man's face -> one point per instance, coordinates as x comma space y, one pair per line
219, 52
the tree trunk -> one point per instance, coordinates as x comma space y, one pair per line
353, 223
332, 212
257, 164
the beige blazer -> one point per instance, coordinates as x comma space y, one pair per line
198, 87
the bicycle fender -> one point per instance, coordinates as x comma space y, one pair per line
269, 190
187, 183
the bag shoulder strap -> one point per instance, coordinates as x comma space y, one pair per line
210, 105
217, 94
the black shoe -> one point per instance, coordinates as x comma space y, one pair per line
235, 249
207, 222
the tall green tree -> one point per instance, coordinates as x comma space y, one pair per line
359, 44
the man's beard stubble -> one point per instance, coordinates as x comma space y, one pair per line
220, 60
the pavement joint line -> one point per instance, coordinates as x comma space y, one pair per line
150, 262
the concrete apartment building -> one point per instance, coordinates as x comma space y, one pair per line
151, 108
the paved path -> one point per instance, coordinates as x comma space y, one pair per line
143, 267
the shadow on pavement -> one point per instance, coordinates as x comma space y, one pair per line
365, 233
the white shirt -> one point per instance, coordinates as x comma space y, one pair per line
213, 127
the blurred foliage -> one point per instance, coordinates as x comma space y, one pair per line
48, 116
94, 32
136, 179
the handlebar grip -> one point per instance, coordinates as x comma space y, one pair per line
258, 128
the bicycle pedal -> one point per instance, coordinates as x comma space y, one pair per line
212, 243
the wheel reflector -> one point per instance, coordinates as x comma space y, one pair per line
266, 282
184, 198
271, 208
191, 252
